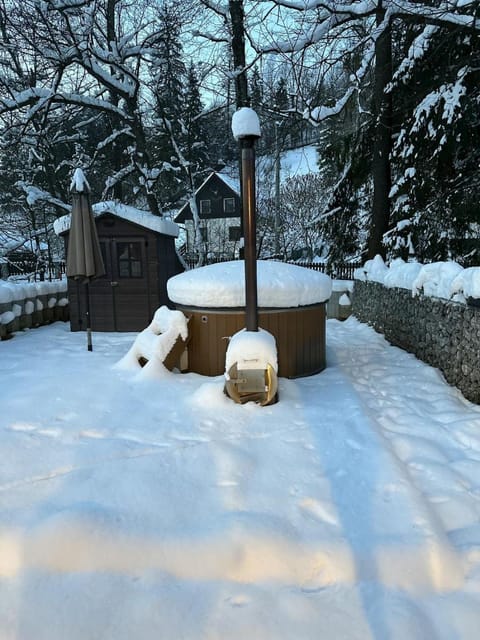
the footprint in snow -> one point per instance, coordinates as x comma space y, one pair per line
23, 426
50, 433
227, 483
354, 444
207, 424
30, 428
321, 511
239, 601
66, 417
91, 433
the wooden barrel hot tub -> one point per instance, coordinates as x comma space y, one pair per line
292, 302
299, 334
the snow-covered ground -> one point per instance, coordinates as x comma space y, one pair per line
159, 509
293, 162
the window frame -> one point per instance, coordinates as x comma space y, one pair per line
236, 232
204, 208
231, 206
130, 260
203, 233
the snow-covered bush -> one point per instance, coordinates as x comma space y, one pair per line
372, 271
467, 282
447, 280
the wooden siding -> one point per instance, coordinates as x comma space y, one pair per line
299, 333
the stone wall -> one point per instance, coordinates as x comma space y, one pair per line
441, 333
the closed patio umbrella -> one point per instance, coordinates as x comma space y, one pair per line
84, 258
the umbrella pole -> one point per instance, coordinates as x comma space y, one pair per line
89, 325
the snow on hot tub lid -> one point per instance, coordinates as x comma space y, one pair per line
222, 285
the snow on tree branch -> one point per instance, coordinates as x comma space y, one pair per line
416, 52
449, 94
126, 131
39, 97
118, 177
34, 195
216, 7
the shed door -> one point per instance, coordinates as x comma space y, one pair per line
127, 278
102, 308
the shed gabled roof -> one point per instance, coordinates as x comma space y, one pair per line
231, 183
131, 214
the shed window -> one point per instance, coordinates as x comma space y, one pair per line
229, 205
205, 206
129, 259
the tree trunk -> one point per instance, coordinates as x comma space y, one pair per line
117, 156
141, 157
237, 17
382, 142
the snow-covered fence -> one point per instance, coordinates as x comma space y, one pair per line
432, 311
340, 271
30, 304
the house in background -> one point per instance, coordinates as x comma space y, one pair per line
218, 202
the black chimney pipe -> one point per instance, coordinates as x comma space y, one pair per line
250, 231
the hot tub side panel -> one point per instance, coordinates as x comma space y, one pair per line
299, 334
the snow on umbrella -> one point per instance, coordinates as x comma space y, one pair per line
84, 258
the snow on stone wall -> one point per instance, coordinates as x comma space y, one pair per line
442, 333
446, 280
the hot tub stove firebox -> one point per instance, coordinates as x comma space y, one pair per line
291, 302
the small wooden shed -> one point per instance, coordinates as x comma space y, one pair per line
139, 254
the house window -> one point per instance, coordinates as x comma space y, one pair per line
205, 206
234, 234
129, 259
229, 205
204, 234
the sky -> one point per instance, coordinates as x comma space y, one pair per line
158, 508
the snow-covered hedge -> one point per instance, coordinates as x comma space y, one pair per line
446, 280
29, 304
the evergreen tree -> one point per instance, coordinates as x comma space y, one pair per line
256, 90
436, 192
169, 68
280, 96
194, 132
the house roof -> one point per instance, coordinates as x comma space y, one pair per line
131, 214
231, 183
